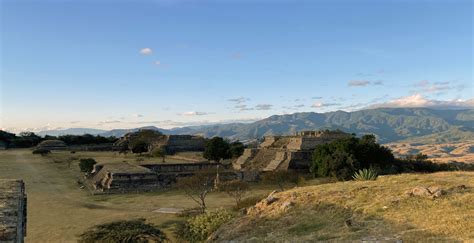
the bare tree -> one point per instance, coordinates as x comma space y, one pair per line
235, 189
198, 186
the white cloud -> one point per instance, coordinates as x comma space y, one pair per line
418, 100
137, 115
323, 105
243, 107
108, 122
157, 63
358, 83
239, 100
194, 113
263, 107
146, 51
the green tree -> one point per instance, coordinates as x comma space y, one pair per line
343, 157
87, 165
139, 147
236, 149
217, 149
160, 152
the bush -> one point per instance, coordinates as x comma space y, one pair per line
343, 157
366, 175
42, 152
87, 165
124, 231
200, 227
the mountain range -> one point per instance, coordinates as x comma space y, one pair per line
388, 124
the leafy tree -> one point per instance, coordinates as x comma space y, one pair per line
139, 147
280, 177
217, 149
343, 157
160, 152
235, 189
236, 149
124, 231
87, 165
198, 186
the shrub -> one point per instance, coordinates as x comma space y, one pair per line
87, 165
343, 157
124, 231
199, 228
42, 152
366, 175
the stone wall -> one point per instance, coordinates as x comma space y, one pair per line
12, 211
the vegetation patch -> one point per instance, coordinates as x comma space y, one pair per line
124, 231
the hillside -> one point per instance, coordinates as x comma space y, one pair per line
389, 124
420, 125
353, 211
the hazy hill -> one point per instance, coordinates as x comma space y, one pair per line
388, 124
71, 131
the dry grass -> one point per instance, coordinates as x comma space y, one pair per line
58, 211
372, 210
439, 152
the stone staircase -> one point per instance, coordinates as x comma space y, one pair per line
275, 163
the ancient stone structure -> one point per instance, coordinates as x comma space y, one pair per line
126, 177
171, 143
52, 145
285, 152
12, 211
122, 177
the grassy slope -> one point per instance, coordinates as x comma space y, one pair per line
377, 210
58, 210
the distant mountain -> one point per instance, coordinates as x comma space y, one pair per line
71, 131
388, 124
120, 132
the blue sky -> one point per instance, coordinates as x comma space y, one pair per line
114, 64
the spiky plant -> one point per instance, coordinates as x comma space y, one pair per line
369, 174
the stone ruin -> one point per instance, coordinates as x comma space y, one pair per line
126, 177
171, 143
12, 211
52, 144
285, 152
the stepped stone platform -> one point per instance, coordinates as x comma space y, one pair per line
12, 211
126, 177
285, 152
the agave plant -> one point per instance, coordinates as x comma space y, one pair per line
369, 174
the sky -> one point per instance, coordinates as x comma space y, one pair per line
120, 64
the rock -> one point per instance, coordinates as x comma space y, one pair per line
420, 191
430, 192
271, 198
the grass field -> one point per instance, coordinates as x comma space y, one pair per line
375, 211
58, 211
